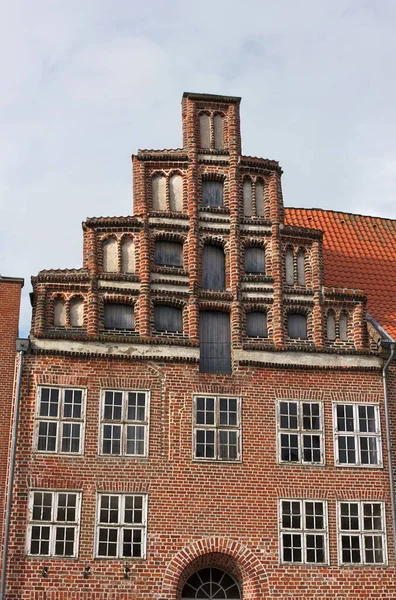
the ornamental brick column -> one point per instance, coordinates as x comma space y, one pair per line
277, 262
359, 327
145, 281
40, 308
318, 331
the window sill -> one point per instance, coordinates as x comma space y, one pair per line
216, 461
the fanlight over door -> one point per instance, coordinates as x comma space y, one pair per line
211, 584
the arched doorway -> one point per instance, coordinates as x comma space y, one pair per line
210, 584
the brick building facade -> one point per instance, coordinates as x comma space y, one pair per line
202, 413
10, 295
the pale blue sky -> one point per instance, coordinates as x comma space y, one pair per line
84, 83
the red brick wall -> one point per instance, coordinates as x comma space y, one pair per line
10, 292
226, 510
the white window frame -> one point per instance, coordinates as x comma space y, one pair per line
120, 526
300, 432
60, 420
304, 532
361, 533
356, 435
53, 524
216, 427
124, 422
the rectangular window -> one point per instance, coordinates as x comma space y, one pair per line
121, 526
54, 519
357, 435
217, 428
124, 426
60, 420
361, 527
300, 432
303, 531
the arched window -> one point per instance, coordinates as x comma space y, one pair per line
76, 312
110, 255
119, 316
128, 255
218, 132
259, 198
212, 193
215, 342
343, 327
211, 583
289, 262
176, 193
59, 312
255, 260
301, 268
256, 324
168, 254
204, 128
247, 198
330, 326
213, 268
168, 318
159, 192
297, 326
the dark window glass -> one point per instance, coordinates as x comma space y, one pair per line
256, 324
168, 254
119, 316
213, 268
297, 326
215, 342
254, 260
168, 318
212, 193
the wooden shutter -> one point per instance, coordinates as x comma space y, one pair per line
254, 260
119, 316
331, 335
213, 268
168, 253
297, 326
168, 318
256, 324
212, 193
289, 267
215, 342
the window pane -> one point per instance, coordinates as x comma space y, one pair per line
288, 415
47, 435
49, 402
289, 447
136, 406
72, 404
113, 406
205, 447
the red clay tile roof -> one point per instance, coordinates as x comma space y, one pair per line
358, 252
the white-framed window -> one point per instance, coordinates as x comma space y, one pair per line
54, 523
60, 420
303, 531
361, 533
121, 526
217, 428
300, 432
357, 435
124, 423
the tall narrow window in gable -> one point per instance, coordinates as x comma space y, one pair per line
343, 327
213, 268
59, 312
218, 132
204, 127
168, 254
259, 198
301, 268
247, 198
289, 262
254, 260
297, 326
256, 324
215, 342
76, 312
128, 255
110, 255
159, 192
212, 193
168, 318
176, 193
119, 316
331, 333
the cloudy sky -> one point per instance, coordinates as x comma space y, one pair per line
84, 83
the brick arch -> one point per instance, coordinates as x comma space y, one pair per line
224, 553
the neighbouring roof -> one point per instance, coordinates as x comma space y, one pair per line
358, 252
